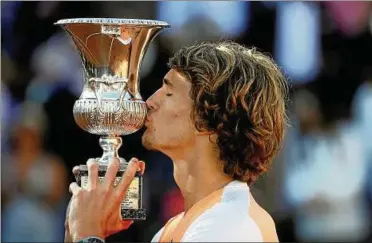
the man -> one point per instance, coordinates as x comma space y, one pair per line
220, 116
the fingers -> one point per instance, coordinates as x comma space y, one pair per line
75, 189
111, 172
92, 173
142, 167
75, 170
133, 166
127, 177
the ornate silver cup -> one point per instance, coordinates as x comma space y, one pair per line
110, 105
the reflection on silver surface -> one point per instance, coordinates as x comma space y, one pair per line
111, 52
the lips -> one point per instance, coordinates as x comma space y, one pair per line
147, 121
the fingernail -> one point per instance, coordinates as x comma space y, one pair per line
134, 160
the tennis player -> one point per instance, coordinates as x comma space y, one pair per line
220, 115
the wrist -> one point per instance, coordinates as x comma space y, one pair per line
92, 240
80, 231
83, 236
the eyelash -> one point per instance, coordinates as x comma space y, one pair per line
168, 94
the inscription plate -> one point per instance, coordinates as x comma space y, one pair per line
132, 197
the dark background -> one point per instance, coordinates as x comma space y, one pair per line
320, 178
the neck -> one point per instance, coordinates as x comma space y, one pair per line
199, 172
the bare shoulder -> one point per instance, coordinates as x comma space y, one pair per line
264, 221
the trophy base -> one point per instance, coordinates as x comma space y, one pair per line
131, 207
133, 214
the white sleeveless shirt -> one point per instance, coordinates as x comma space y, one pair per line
226, 221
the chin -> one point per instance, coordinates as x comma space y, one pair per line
148, 141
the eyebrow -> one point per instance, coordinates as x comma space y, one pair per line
167, 82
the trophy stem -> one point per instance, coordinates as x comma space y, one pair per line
110, 145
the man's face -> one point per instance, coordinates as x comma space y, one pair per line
169, 124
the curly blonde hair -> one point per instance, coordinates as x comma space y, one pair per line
239, 94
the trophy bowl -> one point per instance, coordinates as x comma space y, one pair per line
110, 104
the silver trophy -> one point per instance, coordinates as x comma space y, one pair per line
110, 105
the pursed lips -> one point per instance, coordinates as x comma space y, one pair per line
147, 121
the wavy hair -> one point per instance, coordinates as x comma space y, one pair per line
240, 95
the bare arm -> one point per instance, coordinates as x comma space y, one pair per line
264, 221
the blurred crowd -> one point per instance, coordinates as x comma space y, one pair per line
320, 184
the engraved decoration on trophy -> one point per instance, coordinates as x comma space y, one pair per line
110, 104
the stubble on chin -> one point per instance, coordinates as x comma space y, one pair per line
147, 141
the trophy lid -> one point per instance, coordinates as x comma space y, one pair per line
113, 21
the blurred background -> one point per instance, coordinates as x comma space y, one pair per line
320, 185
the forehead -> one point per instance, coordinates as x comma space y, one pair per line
178, 80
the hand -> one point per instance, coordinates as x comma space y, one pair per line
67, 229
95, 211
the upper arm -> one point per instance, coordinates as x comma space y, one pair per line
264, 222
268, 229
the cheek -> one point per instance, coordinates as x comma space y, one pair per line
173, 110
174, 121
176, 115
181, 122
173, 114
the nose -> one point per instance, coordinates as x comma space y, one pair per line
152, 102
149, 104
